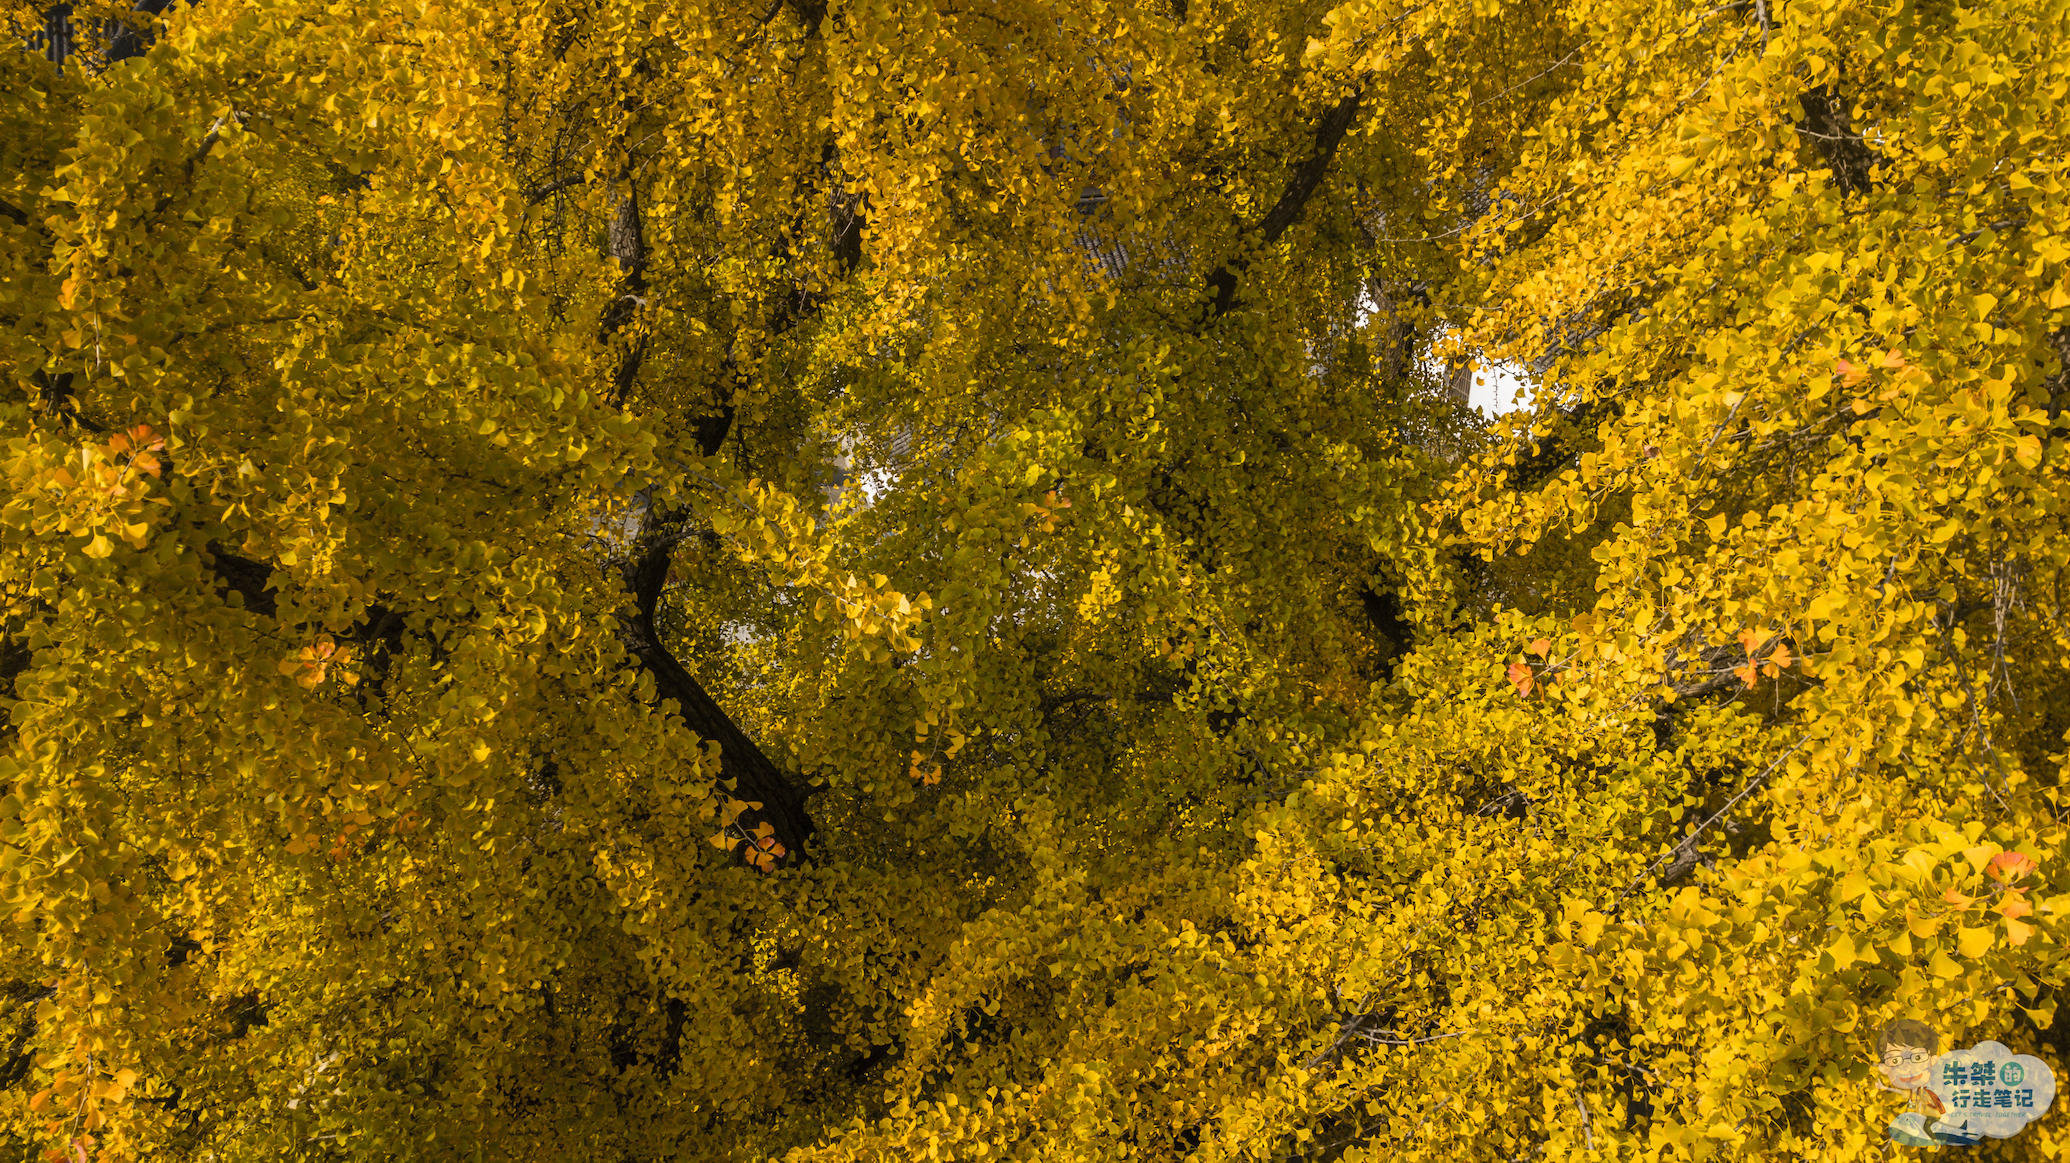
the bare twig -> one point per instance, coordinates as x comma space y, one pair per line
1696, 834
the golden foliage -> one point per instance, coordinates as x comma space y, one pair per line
1030, 424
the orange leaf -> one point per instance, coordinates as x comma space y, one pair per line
2009, 866
1745, 673
1748, 639
2017, 932
1781, 656
1540, 647
1849, 373
2015, 905
1520, 676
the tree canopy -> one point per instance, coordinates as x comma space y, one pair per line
603, 579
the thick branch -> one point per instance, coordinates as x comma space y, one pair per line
1563, 443
1392, 632
1301, 186
246, 578
194, 160
547, 190
1685, 852
56, 393
756, 779
811, 13
2057, 383
378, 634
1826, 125
1329, 134
629, 247
645, 570
19, 1055
15, 657
128, 41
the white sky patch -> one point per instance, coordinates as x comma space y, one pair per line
871, 484
875, 483
1500, 388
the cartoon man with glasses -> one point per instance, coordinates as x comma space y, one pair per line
1905, 1050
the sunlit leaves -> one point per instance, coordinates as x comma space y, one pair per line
758, 846
100, 491
1218, 745
312, 664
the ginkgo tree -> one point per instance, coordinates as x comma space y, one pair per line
840, 581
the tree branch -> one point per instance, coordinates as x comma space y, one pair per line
547, 190
755, 778
644, 573
378, 633
1688, 843
629, 247
194, 160
644, 569
1329, 134
1826, 126
1392, 632
1301, 186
